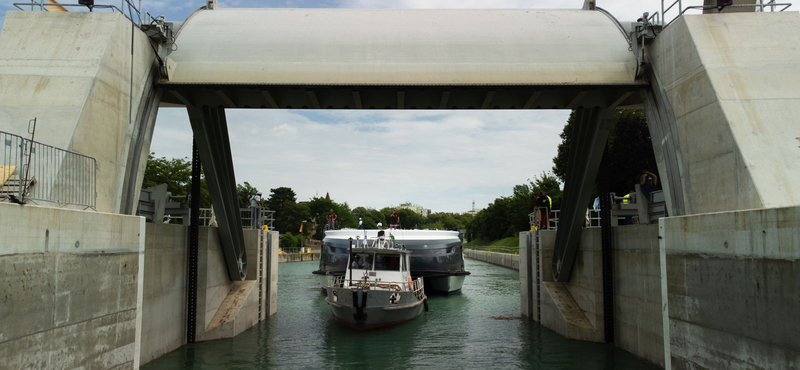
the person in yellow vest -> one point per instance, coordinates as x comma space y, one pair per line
544, 203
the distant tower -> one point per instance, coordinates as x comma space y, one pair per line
473, 206
328, 196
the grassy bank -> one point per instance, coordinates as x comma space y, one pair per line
505, 245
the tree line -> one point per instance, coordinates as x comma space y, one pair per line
292, 215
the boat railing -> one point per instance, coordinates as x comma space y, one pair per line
417, 285
419, 288
377, 242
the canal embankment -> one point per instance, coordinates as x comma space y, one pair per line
500, 259
298, 257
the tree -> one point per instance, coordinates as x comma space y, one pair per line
318, 209
550, 185
629, 151
369, 217
288, 213
408, 218
245, 192
289, 241
177, 174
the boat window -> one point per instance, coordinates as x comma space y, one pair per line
387, 263
362, 261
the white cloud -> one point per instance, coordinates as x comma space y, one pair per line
441, 160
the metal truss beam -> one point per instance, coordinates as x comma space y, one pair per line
588, 142
211, 135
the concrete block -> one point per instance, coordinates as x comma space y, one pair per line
65, 304
164, 302
732, 289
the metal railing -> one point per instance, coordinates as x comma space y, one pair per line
535, 217
417, 285
248, 221
36, 171
43, 5
659, 18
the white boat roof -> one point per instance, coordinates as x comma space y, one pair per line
399, 235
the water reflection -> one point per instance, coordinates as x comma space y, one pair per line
479, 327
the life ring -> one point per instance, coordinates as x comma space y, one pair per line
409, 283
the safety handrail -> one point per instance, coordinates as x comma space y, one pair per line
43, 5
659, 18
46, 173
267, 218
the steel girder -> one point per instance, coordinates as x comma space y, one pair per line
589, 138
211, 135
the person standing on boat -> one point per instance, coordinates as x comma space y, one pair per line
331, 220
360, 224
394, 220
380, 225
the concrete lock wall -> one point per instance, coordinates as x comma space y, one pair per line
733, 287
575, 309
731, 83
224, 308
69, 288
164, 297
637, 292
298, 257
501, 259
72, 71
722, 288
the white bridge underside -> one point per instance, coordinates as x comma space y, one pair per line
400, 59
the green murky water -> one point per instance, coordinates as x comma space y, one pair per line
478, 328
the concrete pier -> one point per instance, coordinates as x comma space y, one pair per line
714, 291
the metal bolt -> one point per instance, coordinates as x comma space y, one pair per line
77, 244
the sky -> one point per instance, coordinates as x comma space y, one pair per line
441, 160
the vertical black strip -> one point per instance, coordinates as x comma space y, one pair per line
260, 274
194, 231
608, 276
538, 279
530, 279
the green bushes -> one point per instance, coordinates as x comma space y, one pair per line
289, 241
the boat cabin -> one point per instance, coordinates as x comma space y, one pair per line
377, 265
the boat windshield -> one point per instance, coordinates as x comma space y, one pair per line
387, 263
362, 261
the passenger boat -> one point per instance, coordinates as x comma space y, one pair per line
377, 289
437, 257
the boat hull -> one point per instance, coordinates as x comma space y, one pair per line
369, 309
447, 284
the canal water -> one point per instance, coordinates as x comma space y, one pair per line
478, 328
